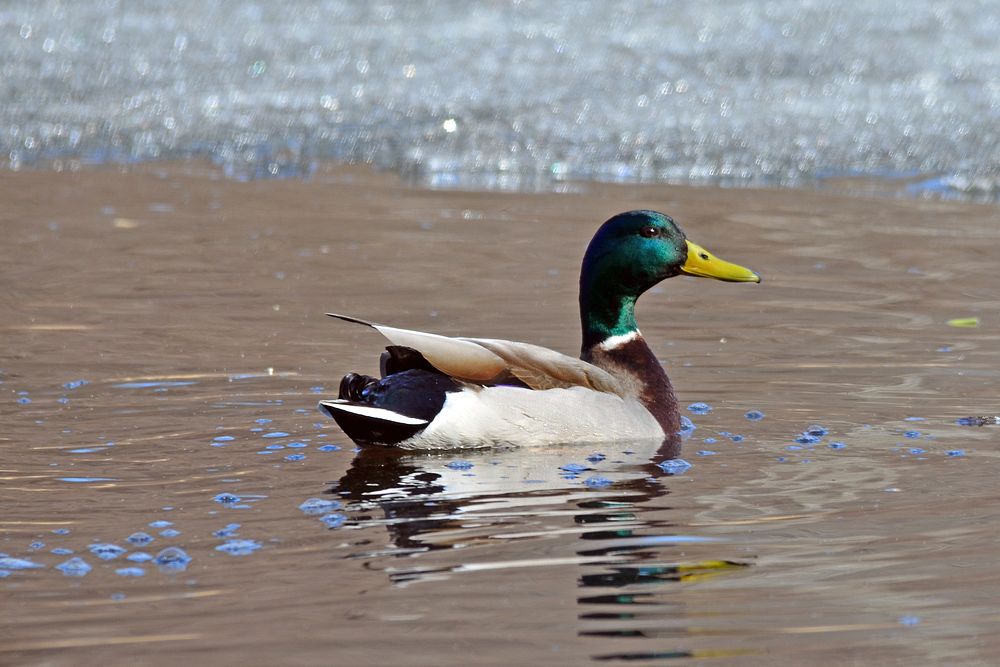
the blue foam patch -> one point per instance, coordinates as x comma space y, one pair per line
11, 563
239, 547
223, 438
228, 530
170, 532
295, 457
458, 465
139, 557
754, 415
674, 466
276, 434
130, 572
329, 448
700, 408
74, 567
162, 523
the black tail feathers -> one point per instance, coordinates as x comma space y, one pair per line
355, 387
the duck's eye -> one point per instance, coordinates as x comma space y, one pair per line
649, 232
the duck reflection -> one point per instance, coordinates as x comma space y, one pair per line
432, 502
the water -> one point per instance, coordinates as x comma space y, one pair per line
145, 337
520, 95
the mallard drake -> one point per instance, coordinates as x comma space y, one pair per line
437, 392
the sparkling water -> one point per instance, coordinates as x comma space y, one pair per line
513, 94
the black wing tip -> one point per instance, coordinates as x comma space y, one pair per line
348, 318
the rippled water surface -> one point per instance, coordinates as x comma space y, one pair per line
171, 494
514, 94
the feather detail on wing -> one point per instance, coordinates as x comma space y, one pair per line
485, 360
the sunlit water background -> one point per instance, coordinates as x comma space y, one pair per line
514, 94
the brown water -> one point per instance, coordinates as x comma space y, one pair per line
193, 307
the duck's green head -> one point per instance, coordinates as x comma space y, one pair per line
630, 253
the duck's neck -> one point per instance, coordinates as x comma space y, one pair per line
611, 340
604, 314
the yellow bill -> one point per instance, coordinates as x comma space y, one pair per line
704, 264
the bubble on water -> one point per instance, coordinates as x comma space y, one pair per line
700, 408
807, 439
106, 551
75, 384
598, 481
596, 457
295, 457
239, 547
276, 434
263, 420
817, 430
223, 438
837, 445
329, 448
459, 465
61, 551
87, 480
911, 434
710, 441
736, 437
296, 445
35, 546
573, 467
130, 572
160, 523
23, 400
227, 498
917, 450
754, 415
275, 447
139, 539
139, 557
687, 427
61, 531
334, 520
172, 559
909, 620
706, 452
74, 567
316, 506
955, 453
169, 532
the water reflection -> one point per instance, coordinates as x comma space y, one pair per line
625, 554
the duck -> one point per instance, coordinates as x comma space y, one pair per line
437, 392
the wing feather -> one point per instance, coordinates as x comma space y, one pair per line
483, 360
